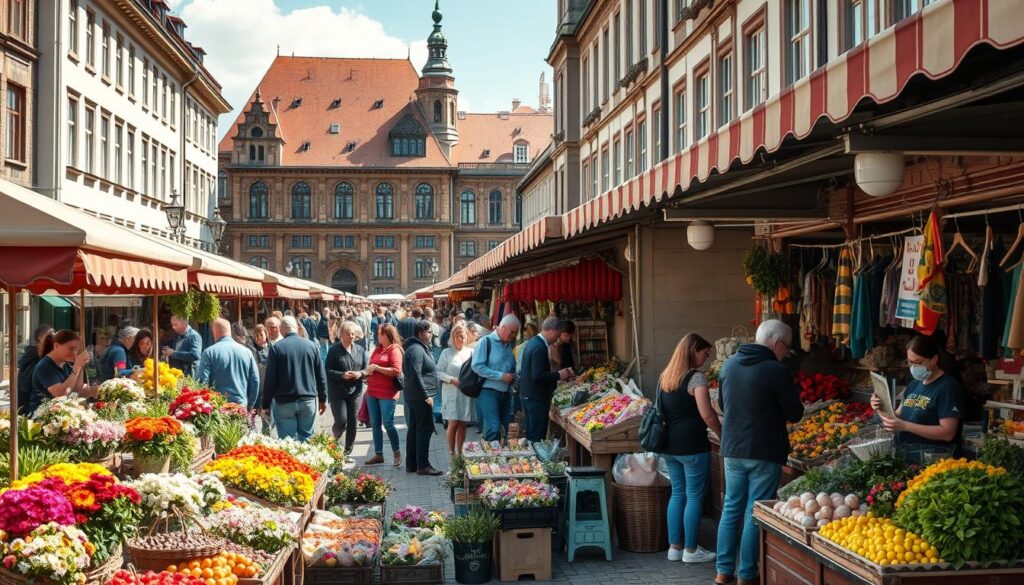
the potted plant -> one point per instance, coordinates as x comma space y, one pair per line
363, 491
152, 441
472, 539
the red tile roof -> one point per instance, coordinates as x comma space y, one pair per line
358, 83
497, 133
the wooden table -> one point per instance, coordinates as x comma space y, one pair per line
600, 449
787, 561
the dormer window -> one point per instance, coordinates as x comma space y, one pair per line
521, 153
296, 102
378, 104
304, 147
350, 147
486, 153
408, 138
335, 128
336, 103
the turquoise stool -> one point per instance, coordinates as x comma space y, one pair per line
588, 528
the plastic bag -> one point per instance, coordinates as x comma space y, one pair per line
640, 469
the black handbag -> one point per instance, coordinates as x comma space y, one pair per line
652, 433
471, 383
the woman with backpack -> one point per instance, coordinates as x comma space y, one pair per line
687, 412
456, 407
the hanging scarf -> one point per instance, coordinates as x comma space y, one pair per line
931, 284
841, 307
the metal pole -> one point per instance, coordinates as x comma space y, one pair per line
156, 344
239, 308
12, 381
81, 316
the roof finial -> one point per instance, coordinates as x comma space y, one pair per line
437, 12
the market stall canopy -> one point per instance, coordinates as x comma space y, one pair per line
217, 274
528, 238
45, 244
590, 280
284, 287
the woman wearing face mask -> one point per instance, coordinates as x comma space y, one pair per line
929, 419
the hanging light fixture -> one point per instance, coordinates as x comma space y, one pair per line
879, 173
175, 212
700, 235
217, 225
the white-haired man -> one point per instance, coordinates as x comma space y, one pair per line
494, 361
294, 383
758, 397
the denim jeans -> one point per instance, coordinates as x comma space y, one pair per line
324, 346
689, 475
535, 419
295, 419
496, 414
746, 481
382, 414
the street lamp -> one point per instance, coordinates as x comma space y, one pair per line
288, 268
175, 212
217, 225
434, 269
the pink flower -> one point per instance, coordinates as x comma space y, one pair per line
9, 561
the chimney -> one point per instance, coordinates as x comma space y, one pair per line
516, 102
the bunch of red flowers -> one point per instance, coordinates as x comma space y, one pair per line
857, 412
192, 402
89, 497
818, 387
271, 457
882, 498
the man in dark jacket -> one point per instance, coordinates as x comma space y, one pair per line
420, 387
536, 380
27, 365
187, 349
758, 397
293, 383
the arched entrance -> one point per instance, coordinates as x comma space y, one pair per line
345, 280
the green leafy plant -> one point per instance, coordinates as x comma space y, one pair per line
765, 270
477, 526
226, 433
183, 451
194, 305
456, 476
997, 450
32, 459
968, 515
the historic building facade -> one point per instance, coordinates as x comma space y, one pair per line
17, 110
364, 175
129, 114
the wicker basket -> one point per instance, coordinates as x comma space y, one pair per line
104, 572
146, 559
12, 578
640, 517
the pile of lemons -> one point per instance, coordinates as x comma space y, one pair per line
880, 541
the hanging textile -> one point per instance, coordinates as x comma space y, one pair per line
807, 333
963, 315
590, 280
1013, 337
931, 285
993, 303
843, 299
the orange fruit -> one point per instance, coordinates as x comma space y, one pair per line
206, 563
172, 569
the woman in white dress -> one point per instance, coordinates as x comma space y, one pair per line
456, 407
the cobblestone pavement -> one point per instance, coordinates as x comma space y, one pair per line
625, 568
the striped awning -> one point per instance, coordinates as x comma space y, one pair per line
526, 239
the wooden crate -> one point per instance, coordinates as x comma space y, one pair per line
199, 462
319, 499
340, 575
275, 574
412, 574
763, 511
524, 552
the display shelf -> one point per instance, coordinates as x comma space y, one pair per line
591, 343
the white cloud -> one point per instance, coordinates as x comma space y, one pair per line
241, 38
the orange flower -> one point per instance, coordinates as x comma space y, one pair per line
144, 429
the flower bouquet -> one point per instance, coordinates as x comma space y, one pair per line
56, 417
255, 526
263, 480
824, 432
163, 493
60, 553
416, 517
365, 488
153, 441
329, 445
313, 456
883, 497
24, 510
611, 410
94, 441
199, 407
513, 493
120, 398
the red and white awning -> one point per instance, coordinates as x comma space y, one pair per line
526, 239
932, 43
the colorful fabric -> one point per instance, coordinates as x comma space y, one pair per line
842, 306
931, 283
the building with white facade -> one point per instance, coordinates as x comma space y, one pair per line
134, 114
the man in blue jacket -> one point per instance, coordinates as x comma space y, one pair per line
230, 367
187, 348
536, 380
758, 397
494, 362
294, 382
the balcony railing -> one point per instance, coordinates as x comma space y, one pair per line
495, 166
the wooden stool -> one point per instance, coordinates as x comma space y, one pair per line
524, 552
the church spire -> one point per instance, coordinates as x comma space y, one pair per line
437, 48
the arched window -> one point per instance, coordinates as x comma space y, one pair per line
252, 153
258, 201
385, 201
301, 201
259, 262
384, 268
494, 207
521, 152
302, 267
451, 113
438, 112
467, 208
424, 201
343, 201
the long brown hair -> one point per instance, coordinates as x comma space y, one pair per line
682, 361
392, 333
53, 338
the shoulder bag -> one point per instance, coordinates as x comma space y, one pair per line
471, 383
652, 433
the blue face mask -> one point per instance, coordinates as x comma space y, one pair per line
920, 372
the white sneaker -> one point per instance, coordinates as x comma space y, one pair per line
698, 556
675, 554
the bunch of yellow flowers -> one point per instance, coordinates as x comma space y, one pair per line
68, 472
264, 481
943, 466
169, 379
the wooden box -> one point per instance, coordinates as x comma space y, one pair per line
412, 574
763, 511
524, 552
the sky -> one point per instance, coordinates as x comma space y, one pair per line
497, 48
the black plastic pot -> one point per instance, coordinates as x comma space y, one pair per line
473, 562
